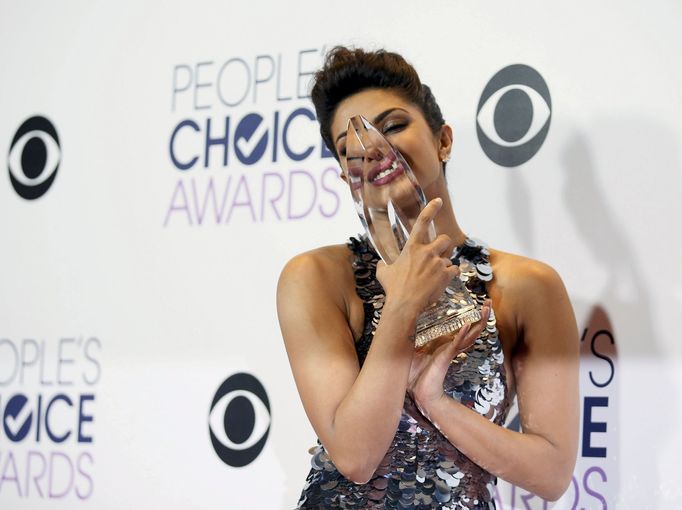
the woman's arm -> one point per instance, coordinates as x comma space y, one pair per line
542, 458
355, 412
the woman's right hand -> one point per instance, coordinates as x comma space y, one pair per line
423, 269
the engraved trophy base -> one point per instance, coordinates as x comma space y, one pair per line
445, 316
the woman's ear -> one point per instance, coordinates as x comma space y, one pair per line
445, 142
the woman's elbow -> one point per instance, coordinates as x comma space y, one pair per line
555, 487
557, 473
356, 470
554, 492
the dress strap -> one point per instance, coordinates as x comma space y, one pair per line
368, 289
473, 258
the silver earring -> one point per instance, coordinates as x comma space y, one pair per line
445, 158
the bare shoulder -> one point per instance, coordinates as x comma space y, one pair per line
535, 297
323, 273
324, 263
523, 276
316, 294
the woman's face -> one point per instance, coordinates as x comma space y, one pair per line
403, 124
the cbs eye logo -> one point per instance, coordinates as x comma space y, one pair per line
513, 115
34, 156
239, 420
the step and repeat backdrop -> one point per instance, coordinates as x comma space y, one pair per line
161, 162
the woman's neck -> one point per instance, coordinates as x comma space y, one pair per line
445, 221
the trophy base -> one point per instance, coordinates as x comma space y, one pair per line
430, 330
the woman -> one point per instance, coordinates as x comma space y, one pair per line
400, 428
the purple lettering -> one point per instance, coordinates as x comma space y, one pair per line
52, 491
9, 463
576, 493
30, 477
302, 173
330, 191
179, 203
247, 203
200, 206
597, 495
264, 194
496, 497
90, 485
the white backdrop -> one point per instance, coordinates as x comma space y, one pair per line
133, 288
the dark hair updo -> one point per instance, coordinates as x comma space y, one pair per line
348, 71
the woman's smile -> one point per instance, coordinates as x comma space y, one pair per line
388, 170
402, 124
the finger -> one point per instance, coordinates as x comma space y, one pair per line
485, 311
450, 349
421, 226
478, 327
453, 271
465, 336
440, 245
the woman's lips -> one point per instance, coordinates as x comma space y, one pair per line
384, 164
388, 175
381, 174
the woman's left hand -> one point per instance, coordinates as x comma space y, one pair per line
430, 363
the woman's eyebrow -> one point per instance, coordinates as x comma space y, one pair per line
376, 120
386, 113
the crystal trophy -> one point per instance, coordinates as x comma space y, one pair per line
388, 200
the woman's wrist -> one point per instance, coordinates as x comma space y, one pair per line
433, 407
405, 308
400, 320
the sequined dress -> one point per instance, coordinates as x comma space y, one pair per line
422, 469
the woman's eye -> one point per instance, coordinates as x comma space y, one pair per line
393, 127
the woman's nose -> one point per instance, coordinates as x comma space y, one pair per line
373, 152
364, 140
